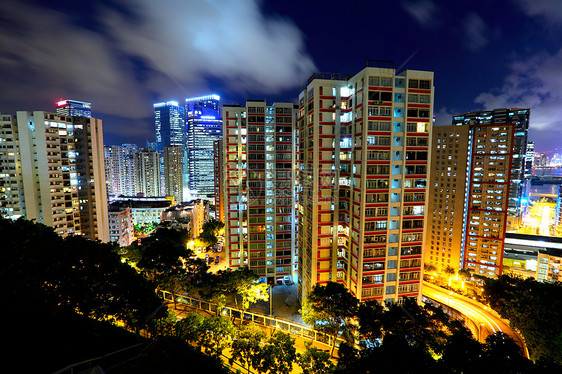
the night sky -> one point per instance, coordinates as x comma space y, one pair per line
124, 55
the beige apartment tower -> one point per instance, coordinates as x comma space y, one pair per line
57, 169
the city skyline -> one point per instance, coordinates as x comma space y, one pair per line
485, 55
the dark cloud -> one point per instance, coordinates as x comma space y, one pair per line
423, 12
476, 31
550, 10
122, 61
536, 83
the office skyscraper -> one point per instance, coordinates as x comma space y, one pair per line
204, 126
363, 174
58, 175
74, 108
169, 122
259, 155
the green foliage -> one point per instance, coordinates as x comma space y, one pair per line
315, 361
165, 259
331, 309
211, 229
278, 354
535, 309
44, 271
243, 282
216, 335
247, 347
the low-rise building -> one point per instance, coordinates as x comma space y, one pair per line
121, 225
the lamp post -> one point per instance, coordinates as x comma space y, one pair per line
270, 296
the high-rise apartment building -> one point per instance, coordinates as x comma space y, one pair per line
74, 108
11, 188
173, 176
219, 181
204, 126
259, 187
112, 159
120, 169
55, 163
363, 177
519, 118
147, 169
469, 194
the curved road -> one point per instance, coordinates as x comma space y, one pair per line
487, 322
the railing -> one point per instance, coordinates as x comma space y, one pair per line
104, 362
257, 318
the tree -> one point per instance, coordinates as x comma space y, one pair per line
465, 273
315, 361
331, 309
278, 354
166, 260
535, 309
503, 355
43, 271
252, 293
215, 335
189, 328
247, 347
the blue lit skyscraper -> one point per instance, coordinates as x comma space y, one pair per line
169, 122
204, 126
74, 108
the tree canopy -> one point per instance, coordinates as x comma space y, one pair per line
41, 270
535, 309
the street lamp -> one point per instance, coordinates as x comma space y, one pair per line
270, 297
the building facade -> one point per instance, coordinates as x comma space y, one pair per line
74, 108
121, 228
173, 172
204, 127
219, 181
169, 123
364, 151
56, 165
469, 200
519, 119
148, 173
259, 188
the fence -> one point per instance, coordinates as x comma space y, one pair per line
257, 318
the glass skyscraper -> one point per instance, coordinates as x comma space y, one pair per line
169, 121
204, 126
74, 108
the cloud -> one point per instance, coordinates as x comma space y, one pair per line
126, 54
476, 31
536, 83
228, 39
444, 117
423, 12
551, 10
